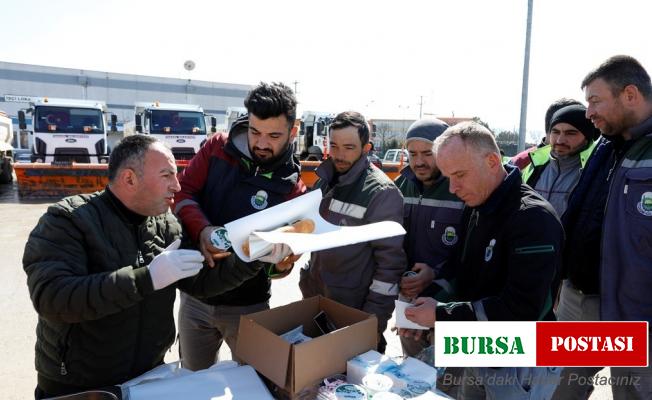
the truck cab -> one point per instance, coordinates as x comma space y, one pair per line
232, 114
313, 137
181, 126
396, 156
66, 130
6, 150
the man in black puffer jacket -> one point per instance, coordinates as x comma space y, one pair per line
102, 270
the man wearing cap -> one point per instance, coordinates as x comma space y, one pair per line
554, 172
522, 159
555, 169
355, 192
431, 218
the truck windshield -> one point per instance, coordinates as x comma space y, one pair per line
177, 122
68, 120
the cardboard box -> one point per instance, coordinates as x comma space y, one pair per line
295, 367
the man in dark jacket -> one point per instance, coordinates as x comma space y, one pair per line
101, 271
432, 217
609, 216
232, 177
508, 262
355, 192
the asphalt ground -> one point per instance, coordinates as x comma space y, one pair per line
18, 318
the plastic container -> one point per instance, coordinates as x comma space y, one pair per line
375, 383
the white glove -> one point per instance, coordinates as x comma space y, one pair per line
173, 264
279, 252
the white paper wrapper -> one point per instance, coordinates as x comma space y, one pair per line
258, 229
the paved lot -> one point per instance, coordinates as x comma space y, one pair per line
18, 318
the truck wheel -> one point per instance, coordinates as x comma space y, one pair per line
5, 175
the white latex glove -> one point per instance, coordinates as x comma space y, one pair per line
173, 264
279, 252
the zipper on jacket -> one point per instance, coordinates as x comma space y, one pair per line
473, 222
141, 262
63, 370
554, 181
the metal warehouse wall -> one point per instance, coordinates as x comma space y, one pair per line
119, 91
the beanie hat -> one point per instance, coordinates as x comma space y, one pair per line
425, 129
575, 115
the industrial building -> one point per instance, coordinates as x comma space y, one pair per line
19, 83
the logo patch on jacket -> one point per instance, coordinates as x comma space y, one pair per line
489, 251
450, 236
259, 200
645, 205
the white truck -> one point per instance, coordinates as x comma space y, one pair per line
232, 114
396, 155
313, 138
181, 126
66, 130
6, 150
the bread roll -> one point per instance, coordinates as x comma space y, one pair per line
245, 248
304, 226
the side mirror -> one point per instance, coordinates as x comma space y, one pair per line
114, 122
21, 120
139, 123
213, 124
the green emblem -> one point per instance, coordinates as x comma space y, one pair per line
645, 205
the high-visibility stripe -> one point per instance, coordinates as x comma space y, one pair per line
456, 205
384, 288
348, 209
628, 163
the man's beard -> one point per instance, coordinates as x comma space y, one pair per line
265, 162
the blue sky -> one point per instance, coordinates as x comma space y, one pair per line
379, 57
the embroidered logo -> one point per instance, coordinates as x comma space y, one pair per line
645, 205
259, 200
450, 236
489, 251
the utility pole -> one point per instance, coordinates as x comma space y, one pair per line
526, 76
295, 87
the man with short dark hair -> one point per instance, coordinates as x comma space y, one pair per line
504, 269
355, 192
251, 169
609, 215
101, 271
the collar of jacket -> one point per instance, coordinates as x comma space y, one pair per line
543, 154
511, 182
326, 171
408, 174
641, 129
287, 167
123, 212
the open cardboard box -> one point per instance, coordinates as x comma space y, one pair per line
295, 367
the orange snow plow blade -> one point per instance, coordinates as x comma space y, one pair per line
61, 180
46, 180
